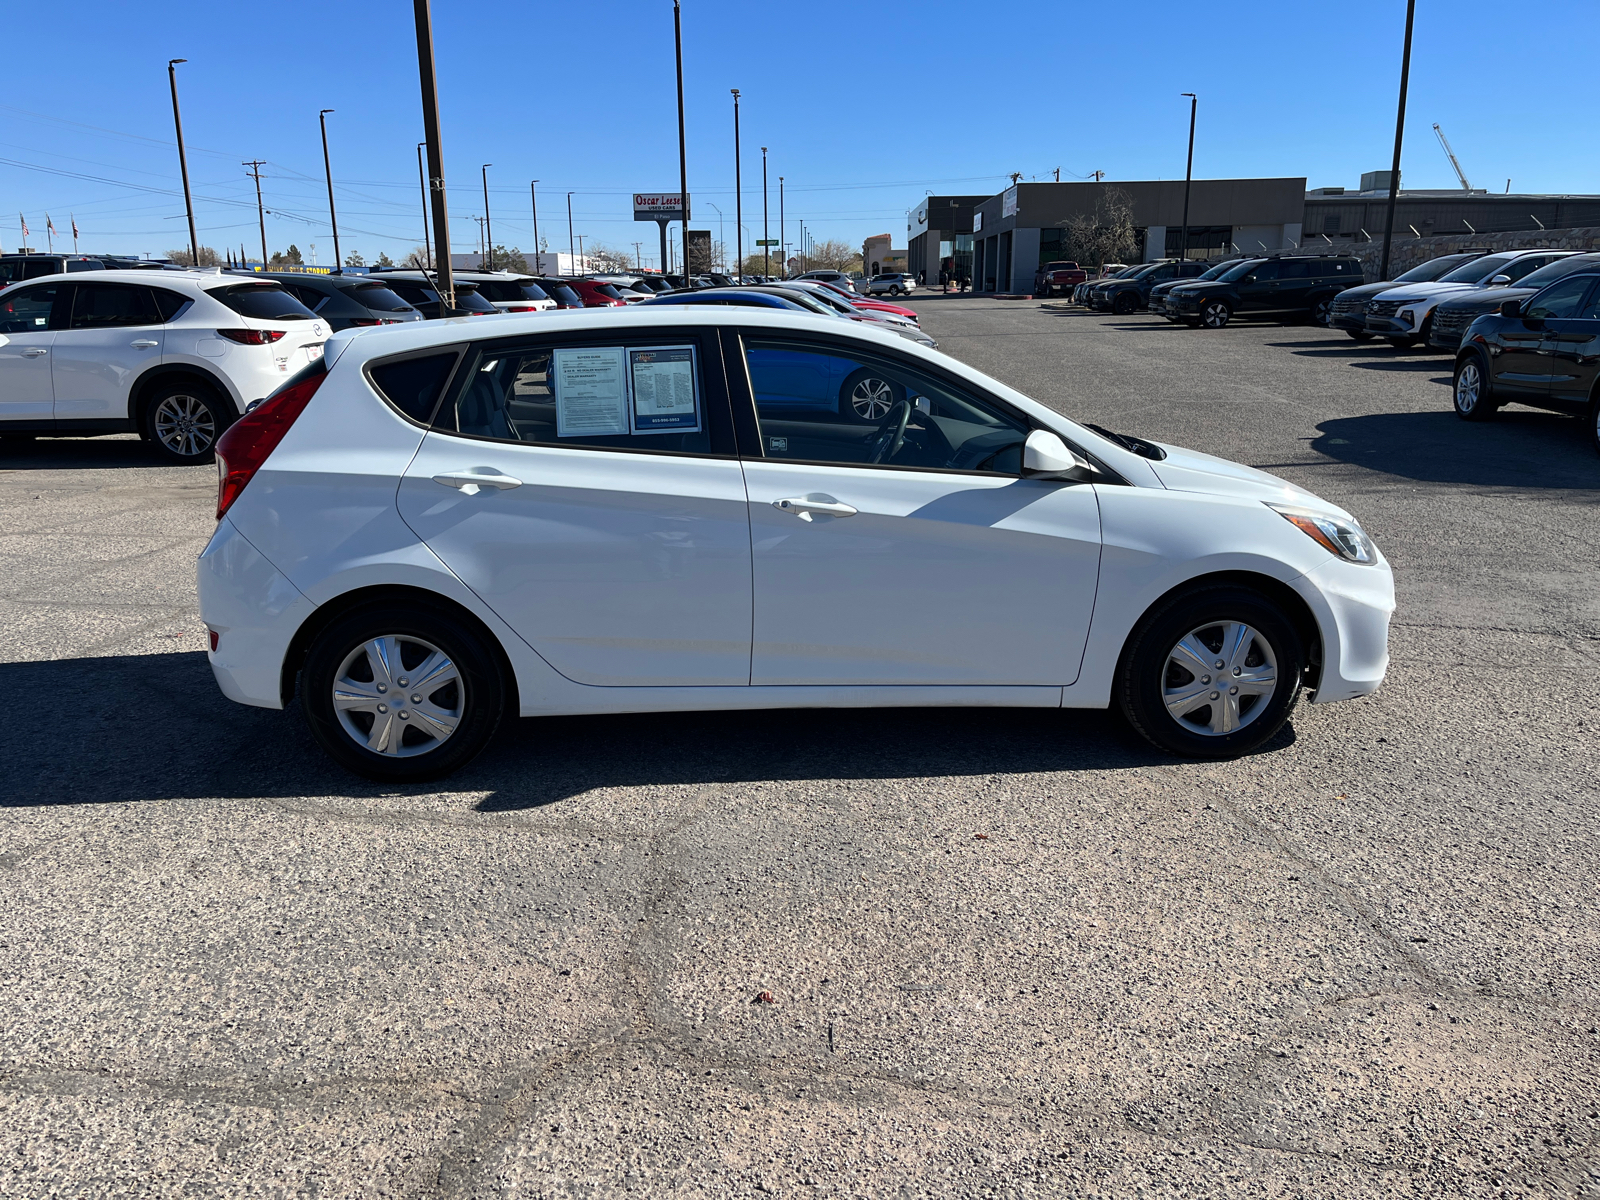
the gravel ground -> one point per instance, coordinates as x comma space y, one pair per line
908, 953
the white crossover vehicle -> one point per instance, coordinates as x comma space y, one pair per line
678, 508
174, 355
1403, 315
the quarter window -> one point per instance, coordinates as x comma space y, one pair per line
112, 306
413, 384
821, 404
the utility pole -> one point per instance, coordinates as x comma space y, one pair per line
255, 166
766, 236
1098, 175
571, 241
444, 280
1058, 174
1188, 174
580, 270
738, 207
722, 244
422, 183
683, 153
183, 162
533, 195
1399, 134
338, 262
488, 230
783, 247
638, 256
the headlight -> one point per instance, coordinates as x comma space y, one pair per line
1344, 538
1405, 314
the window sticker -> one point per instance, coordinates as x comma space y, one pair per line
664, 397
591, 393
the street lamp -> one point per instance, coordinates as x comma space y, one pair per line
338, 262
683, 159
1188, 173
533, 195
738, 206
1399, 133
766, 236
488, 230
572, 253
183, 162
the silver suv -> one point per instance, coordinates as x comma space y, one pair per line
891, 285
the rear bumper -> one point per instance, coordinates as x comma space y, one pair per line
1352, 604
254, 610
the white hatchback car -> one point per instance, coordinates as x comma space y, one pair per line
677, 508
174, 355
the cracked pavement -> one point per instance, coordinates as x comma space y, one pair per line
1007, 953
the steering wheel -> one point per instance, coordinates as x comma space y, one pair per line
888, 444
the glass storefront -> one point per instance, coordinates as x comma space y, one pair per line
1205, 241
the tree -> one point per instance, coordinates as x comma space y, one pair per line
286, 258
1105, 236
609, 261
208, 257
384, 261
354, 259
419, 259
501, 259
832, 255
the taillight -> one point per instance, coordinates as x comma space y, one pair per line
252, 337
519, 308
253, 437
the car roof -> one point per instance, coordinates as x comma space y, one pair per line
200, 278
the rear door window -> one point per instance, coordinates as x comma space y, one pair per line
263, 301
112, 305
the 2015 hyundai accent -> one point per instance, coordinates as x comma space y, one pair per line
669, 509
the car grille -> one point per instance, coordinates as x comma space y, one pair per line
1344, 308
1449, 324
1383, 308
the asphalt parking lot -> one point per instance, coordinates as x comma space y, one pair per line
1007, 953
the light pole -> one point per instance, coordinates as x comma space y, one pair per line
183, 162
422, 182
720, 242
738, 207
683, 154
1188, 174
783, 259
1399, 133
444, 280
580, 270
571, 247
338, 262
766, 250
488, 230
533, 195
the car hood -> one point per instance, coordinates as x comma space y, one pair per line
1367, 291
1488, 299
1185, 470
1423, 291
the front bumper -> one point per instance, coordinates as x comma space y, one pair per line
254, 610
1352, 604
1389, 327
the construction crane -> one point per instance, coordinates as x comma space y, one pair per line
1445, 142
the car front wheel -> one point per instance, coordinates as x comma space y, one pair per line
1320, 312
401, 694
1215, 314
1213, 673
1473, 396
1124, 304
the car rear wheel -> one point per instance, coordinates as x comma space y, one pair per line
1321, 310
1215, 314
1213, 673
1472, 391
1124, 304
401, 694
183, 421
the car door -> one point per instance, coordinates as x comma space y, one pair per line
1572, 344
1259, 288
586, 487
1525, 363
113, 335
28, 317
906, 548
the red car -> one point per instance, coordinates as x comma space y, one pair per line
856, 299
596, 294
1058, 277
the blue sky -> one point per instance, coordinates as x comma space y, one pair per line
581, 96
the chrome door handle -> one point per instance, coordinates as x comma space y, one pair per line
34, 351
144, 344
804, 506
473, 478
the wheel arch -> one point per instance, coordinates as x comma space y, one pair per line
363, 597
145, 387
1290, 601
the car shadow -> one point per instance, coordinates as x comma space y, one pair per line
78, 454
1519, 448
126, 729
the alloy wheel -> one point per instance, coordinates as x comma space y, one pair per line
1219, 678
185, 425
1321, 312
872, 399
398, 695
1469, 387
1215, 315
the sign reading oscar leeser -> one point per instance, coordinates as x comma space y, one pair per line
658, 206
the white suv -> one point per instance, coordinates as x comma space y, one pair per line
174, 355
674, 508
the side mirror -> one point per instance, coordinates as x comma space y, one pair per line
1500, 281
1248, 279
1045, 456
1511, 308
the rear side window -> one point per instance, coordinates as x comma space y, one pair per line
561, 293
169, 304
378, 298
112, 305
639, 395
1294, 270
264, 302
28, 310
35, 267
413, 385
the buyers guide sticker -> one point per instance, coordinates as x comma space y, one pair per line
591, 392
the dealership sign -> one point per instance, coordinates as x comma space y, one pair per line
658, 206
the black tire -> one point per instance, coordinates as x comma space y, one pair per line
1124, 304
1151, 668
1214, 314
1360, 335
182, 422
1594, 420
868, 395
475, 699
1472, 389
1321, 310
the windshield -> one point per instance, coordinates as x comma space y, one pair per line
1430, 271
1477, 270
1143, 271
378, 298
263, 301
1551, 272
808, 301
1239, 270
1216, 272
